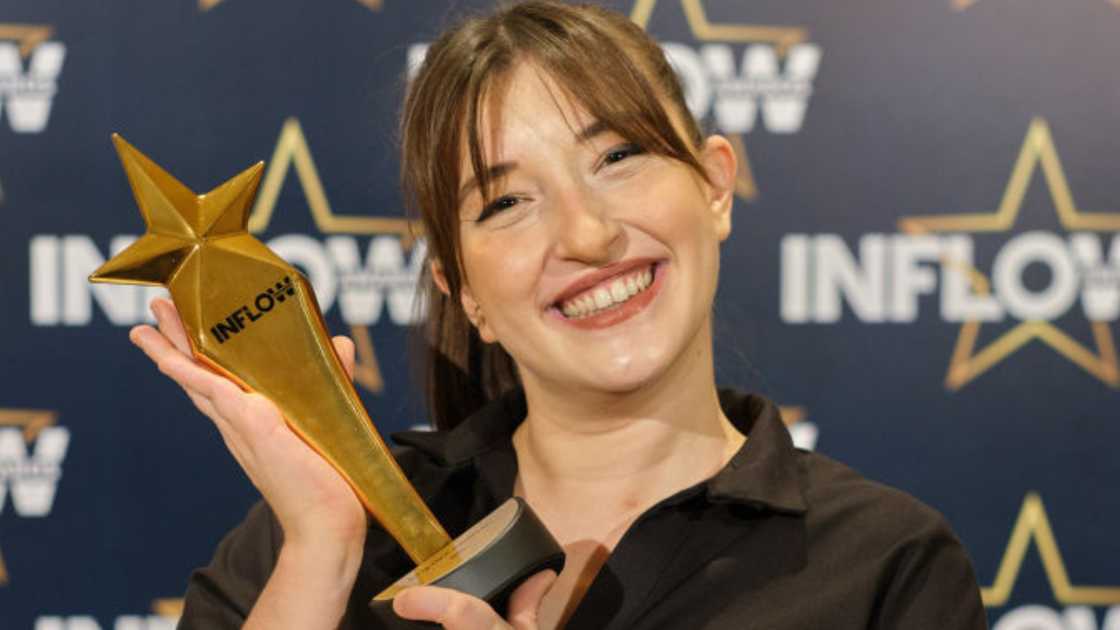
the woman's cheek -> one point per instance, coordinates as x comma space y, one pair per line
498, 267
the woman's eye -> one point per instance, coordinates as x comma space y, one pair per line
620, 153
496, 206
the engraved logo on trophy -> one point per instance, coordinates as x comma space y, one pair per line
265, 301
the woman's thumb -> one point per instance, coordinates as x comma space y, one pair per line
526, 600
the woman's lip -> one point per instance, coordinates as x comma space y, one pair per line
598, 277
622, 312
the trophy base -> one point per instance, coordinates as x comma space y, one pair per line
488, 561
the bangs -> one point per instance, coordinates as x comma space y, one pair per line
592, 72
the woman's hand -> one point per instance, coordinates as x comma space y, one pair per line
315, 507
456, 611
324, 524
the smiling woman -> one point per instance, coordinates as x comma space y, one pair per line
577, 210
594, 69
574, 213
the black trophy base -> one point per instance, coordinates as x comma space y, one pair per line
488, 561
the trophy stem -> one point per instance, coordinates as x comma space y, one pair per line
287, 356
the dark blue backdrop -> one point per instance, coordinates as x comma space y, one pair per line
925, 266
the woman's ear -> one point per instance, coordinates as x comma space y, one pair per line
466, 299
474, 313
720, 164
438, 277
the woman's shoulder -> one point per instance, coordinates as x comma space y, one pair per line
845, 505
917, 570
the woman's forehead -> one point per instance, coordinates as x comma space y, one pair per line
523, 117
528, 110
529, 104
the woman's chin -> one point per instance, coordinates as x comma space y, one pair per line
623, 375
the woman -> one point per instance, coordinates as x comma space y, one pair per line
574, 213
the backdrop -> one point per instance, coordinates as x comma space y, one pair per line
924, 269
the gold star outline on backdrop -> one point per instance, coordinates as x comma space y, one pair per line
292, 149
1033, 524
782, 37
372, 5
961, 5
792, 414
170, 607
28, 35
966, 362
32, 421
180, 224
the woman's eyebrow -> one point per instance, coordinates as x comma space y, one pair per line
504, 168
492, 173
592, 130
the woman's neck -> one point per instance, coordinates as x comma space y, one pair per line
604, 447
588, 462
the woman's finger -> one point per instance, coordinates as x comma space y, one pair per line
526, 600
451, 609
202, 403
232, 410
345, 348
167, 317
199, 383
213, 394
188, 375
151, 347
180, 367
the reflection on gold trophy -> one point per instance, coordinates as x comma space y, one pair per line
253, 317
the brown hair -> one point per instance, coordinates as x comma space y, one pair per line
604, 62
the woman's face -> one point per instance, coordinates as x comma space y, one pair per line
595, 263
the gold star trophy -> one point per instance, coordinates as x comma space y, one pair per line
253, 317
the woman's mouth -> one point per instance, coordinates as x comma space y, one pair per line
608, 295
613, 300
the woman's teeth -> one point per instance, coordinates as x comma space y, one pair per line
607, 295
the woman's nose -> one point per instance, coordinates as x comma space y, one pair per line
584, 228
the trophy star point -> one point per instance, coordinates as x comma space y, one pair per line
152, 260
179, 222
225, 210
167, 205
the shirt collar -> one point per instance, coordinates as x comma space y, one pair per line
489, 428
763, 473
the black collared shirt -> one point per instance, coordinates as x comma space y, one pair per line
778, 539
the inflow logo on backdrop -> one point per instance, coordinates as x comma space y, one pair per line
32, 450
164, 616
934, 254
736, 74
29, 67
